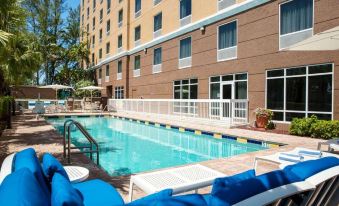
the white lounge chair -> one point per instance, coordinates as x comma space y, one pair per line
332, 145
6, 167
319, 189
282, 162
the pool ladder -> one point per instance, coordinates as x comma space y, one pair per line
86, 149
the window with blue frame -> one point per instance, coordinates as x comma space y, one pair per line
157, 22
227, 35
137, 5
157, 56
185, 8
296, 15
185, 48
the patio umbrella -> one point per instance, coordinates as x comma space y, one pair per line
91, 89
56, 87
326, 40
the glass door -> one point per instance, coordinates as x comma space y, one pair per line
227, 94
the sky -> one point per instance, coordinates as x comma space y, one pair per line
70, 4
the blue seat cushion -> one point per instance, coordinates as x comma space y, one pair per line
309, 168
63, 193
153, 197
224, 181
97, 192
236, 192
22, 188
27, 159
51, 165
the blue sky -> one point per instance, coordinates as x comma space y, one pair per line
72, 3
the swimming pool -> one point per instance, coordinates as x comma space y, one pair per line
128, 147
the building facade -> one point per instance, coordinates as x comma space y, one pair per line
216, 49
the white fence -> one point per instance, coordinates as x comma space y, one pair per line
221, 112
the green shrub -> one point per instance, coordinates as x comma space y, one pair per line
325, 129
301, 127
312, 127
5, 101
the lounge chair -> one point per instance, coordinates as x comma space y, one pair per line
296, 155
332, 145
304, 183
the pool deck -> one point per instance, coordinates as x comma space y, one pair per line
28, 131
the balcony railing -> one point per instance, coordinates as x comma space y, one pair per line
217, 112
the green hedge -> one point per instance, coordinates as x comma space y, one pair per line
312, 127
5, 101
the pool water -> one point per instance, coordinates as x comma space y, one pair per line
129, 147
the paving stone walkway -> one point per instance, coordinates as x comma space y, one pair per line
29, 132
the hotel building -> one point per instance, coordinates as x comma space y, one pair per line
216, 49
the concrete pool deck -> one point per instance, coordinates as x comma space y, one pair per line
27, 132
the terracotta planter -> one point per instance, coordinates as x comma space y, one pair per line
261, 121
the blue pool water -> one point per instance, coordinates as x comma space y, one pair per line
129, 147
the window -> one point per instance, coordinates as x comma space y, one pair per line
108, 47
120, 18
156, 2
157, 22
186, 89
100, 73
108, 27
119, 67
100, 35
157, 56
100, 53
237, 86
222, 4
137, 6
87, 29
108, 6
296, 21
185, 48
87, 12
107, 70
93, 58
120, 41
227, 35
300, 92
82, 20
137, 62
227, 41
101, 15
94, 5
93, 23
137, 33
185, 8
119, 92
93, 41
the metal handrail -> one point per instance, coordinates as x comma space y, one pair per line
67, 137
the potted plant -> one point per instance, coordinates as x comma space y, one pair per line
263, 117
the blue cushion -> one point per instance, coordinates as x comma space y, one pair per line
51, 165
236, 192
222, 182
153, 197
27, 159
306, 169
21, 188
182, 200
63, 194
97, 192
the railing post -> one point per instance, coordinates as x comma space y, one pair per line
69, 144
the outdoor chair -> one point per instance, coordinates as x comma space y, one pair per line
313, 182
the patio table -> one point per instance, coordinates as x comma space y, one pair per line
181, 179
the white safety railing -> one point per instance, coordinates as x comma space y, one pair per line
221, 112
